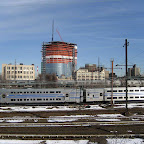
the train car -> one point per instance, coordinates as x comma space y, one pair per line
40, 96
69, 95
119, 94
94, 95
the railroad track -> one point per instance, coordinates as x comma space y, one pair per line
36, 124
27, 136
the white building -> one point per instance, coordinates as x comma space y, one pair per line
18, 72
84, 74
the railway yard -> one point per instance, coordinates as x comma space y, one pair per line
95, 123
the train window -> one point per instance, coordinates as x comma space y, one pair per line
37, 91
44, 99
58, 91
136, 96
53, 99
24, 92
51, 91
131, 90
20, 92
93, 95
141, 90
108, 97
11, 92
20, 99
39, 99
27, 92
142, 96
33, 99
46, 91
131, 97
17, 92
17, 99
33, 92
12, 100
50, 99
101, 94
108, 90
114, 90
120, 97
67, 95
24, 99
27, 99
136, 90
14, 92
114, 97
120, 90
47, 99
40, 92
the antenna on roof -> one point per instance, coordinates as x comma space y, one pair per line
52, 30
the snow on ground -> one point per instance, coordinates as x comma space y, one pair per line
44, 142
14, 121
35, 109
111, 115
130, 105
95, 107
64, 108
68, 118
47, 108
108, 119
110, 141
125, 141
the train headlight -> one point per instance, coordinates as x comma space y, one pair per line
4, 95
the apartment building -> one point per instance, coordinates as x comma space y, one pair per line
84, 74
18, 72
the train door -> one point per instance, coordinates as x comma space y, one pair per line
84, 95
67, 97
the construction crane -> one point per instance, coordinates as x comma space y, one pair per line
59, 35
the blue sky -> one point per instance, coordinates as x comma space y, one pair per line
98, 27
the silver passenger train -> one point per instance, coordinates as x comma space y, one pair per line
68, 95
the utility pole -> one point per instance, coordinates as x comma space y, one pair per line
112, 84
126, 74
112, 68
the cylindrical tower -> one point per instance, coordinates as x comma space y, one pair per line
60, 58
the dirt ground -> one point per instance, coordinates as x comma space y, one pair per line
75, 130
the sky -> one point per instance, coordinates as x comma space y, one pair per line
98, 27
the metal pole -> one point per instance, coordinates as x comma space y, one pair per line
126, 75
112, 86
